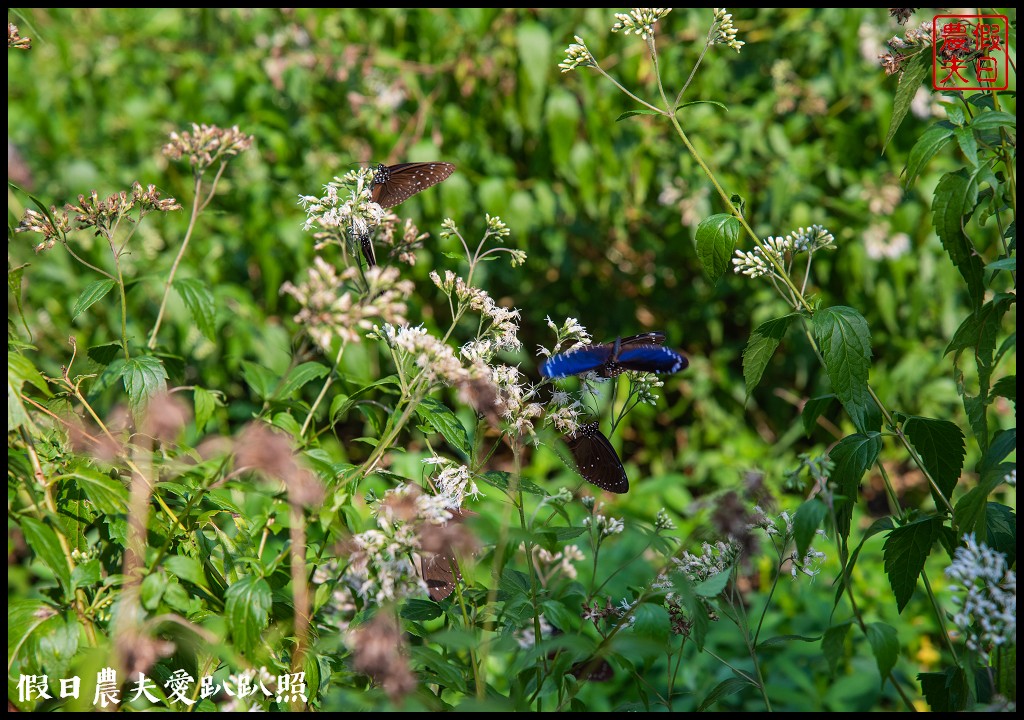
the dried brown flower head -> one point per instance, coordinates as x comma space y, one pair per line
378, 650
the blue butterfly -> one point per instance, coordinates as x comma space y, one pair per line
639, 353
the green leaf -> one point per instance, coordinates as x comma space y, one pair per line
106, 353
247, 609
727, 687
14, 277
1006, 387
108, 495
144, 376
20, 370
42, 540
205, 403
813, 409
954, 199
852, 455
93, 292
980, 331
634, 113
885, 645
833, 645
845, 341
260, 379
200, 303
701, 102
1001, 531
24, 616
419, 610
714, 585
716, 240
927, 146
787, 639
905, 552
298, 377
947, 691
760, 348
993, 120
806, 523
444, 421
1003, 443
1006, 263
970, 510
968, 144
940, 443
914, 72
186, 568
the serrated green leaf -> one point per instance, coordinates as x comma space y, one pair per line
947, 691
108, 495
980, 331
760, 348
702, 102
852, 456
716, 240
260, 379
940, 444
200, 303
651, 620
833, 644
14, 277
968, 144
42, 540
727, 687
440, 417
885, 646
806, 523
299, 376
954, 199
1006, 387
94, 292
812, 410
905, 552
845, 341
914, 72
927, 146
247, 609
144, 376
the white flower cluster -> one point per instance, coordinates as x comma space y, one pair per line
577, 54
987, 596
454, 483
725, 33
779, 251
640, 21
357, 211
604, 525
712, 560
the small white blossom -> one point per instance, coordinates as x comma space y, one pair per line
640, 21
725, 33
986, 595
576, 55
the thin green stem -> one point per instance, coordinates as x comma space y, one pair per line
197, 188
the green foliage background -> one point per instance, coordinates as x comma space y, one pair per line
605, 210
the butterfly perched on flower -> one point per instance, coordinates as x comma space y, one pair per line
639, 353
596, 459
393, 184
437, 564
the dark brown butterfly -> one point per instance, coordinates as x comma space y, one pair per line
596, 459
366, 244
393, 184
439, 569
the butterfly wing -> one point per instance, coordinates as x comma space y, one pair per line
393, 184
440, 571
644, 357
366, 245
647, 338
576, 362
596, 459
